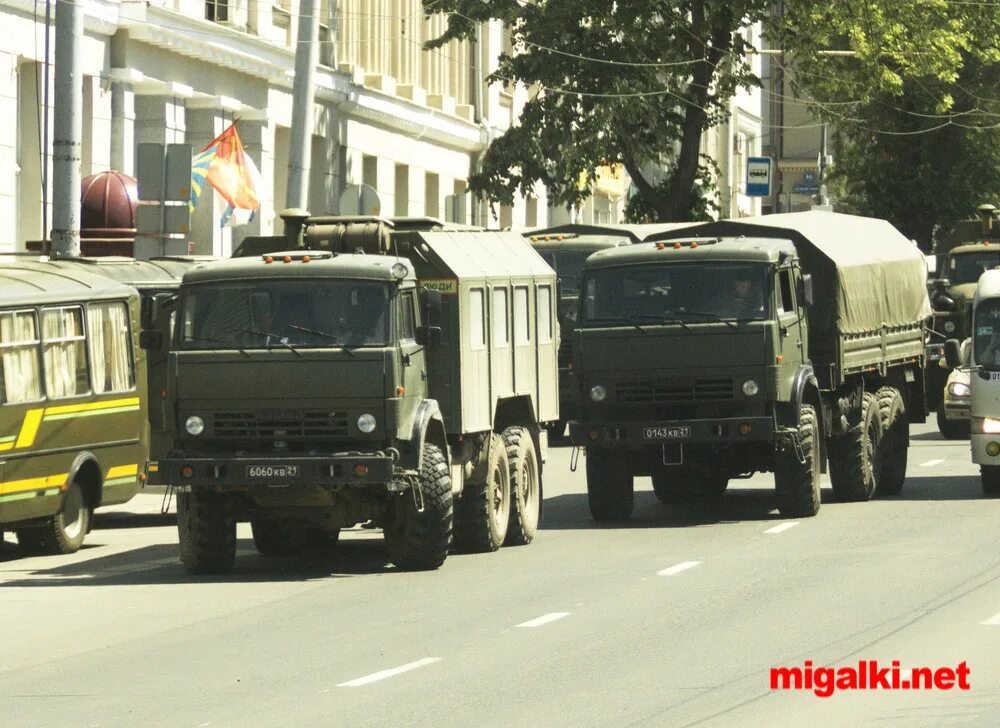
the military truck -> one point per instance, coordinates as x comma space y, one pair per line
400, 377
754, 345
963, 254
565, 248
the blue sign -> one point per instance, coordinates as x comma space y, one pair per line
805, 188
760, 174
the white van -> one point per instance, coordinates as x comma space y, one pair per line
984, 380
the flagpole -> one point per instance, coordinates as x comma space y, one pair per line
306, 58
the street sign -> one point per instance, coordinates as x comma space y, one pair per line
760, 174
360, 200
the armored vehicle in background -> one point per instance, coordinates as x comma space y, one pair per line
566, 248
354, 372
760, 344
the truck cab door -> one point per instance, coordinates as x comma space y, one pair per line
414, 366
791, 343
158, 319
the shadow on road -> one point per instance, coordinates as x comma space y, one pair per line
123, 519
941, 488
937, 437
160, 564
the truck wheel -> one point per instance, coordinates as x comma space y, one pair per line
682, 485
951, 429
795, 483
895, 440
483, 510
854, 457
276, 538
990, 476
206, 529
419, 540
64, 532
609, 487
525, 484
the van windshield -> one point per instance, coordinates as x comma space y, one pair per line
568, 265
266, 314
687, 292
986, 338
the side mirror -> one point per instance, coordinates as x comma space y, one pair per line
147, 313
953, 353
429, 336
807, 290
150, 340
432, 307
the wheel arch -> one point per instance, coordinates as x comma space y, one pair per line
87, 472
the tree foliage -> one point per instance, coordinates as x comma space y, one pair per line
916, 113
627, 82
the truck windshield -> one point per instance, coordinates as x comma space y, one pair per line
684, 292
987, 333
967, 267
297, 313
568, 265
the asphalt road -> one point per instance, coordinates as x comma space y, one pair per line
674, 619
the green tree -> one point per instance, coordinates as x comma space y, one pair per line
917, 119
632, 82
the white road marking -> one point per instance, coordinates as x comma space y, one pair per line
931, 463
544, 619
782, 527
678, 568
376, 676
993, 621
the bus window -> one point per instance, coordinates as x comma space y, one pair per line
110, 350
20, 375
64, 352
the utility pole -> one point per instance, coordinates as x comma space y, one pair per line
822, 167
68, 129
306, 58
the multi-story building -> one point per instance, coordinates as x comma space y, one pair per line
411, 123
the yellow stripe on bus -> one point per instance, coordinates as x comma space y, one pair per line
122, 470
48, 481
29, 428
91, 406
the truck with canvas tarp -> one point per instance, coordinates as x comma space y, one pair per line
566, 248
359, 373
761, 344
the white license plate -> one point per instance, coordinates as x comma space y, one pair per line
269, 472
677, 432
995, 376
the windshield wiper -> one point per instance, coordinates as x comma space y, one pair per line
325, 335
709, 314
213, 340
657, 318
267, 342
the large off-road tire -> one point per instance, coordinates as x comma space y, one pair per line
951, 429
206, 529
482, 514
796, 483
278, 538
686, 485
419, 540
854, 457
990, 477
610, 491
525, 486
65, 531
895, 440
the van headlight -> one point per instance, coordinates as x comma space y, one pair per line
750, 388
195, 425
949, 327
958, 389
366, 423
598, 393
985, 426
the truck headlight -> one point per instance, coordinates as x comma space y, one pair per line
958, 389
195, 425
399, 271
598, 393
985, 426
949, 327
366, 423
750, 388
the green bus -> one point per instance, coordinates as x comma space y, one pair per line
74, 433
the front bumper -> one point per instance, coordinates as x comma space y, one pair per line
344, 469
723, 430
956, 410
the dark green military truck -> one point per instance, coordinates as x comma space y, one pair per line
400, 376
755, 345
566, 248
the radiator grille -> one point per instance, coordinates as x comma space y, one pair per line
265, 425
646, 391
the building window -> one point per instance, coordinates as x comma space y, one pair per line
20, 374
531, 212
402, 202
110, 347
369, 170
64, 352
217, 11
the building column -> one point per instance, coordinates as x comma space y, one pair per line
159, 119
122, 134
202, 126
100, 125
9, 169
